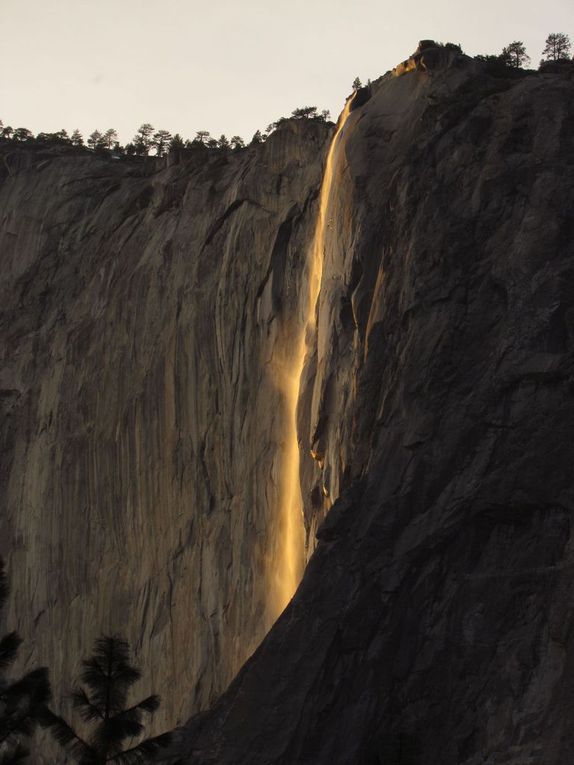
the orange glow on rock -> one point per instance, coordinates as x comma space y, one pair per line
288, 563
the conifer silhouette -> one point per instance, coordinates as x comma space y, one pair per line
21, 701
108, 676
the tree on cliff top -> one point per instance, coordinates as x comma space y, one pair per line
95, 140
236, 142
161, 141
177, 143
77, 138
108, 675
109, 138
305, 112
515, 54
557, 48
21, 701
143, 139
22, 134
202, 136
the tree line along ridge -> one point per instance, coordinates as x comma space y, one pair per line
147, 139
557, 50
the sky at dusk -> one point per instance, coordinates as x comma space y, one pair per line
228, 67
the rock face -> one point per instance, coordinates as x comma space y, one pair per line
141, 431
142, 440
433, 624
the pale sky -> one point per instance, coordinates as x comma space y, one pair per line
228, 67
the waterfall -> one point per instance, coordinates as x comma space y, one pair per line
288, 561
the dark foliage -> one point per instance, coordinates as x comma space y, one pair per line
515, 54
108, 675
177, 143
61, 137
161, 142
21, 701
143, 139
303, 113
501, 66
557, 47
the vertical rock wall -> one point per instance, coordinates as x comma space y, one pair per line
433, 624
141, 430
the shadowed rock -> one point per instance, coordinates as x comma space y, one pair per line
433, 622
141, 307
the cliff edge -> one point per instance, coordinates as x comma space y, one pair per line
143, 307
141, 303
434, 620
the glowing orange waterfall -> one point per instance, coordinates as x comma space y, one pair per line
287, 566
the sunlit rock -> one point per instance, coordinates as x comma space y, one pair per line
432, 624
143, 304
152, 321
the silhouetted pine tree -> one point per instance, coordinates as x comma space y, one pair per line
21, 701
109, 676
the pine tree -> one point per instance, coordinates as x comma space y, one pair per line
22, 134
237, 142
357, 85
77, 139
161, 141
515, 54
109, 138
305, 112
557, 47
108, 675
62, 136
22, 701
177, 143
95, 140
143, 140
202, 136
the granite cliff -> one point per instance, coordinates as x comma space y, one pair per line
142, 430
433, 623
143, 438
